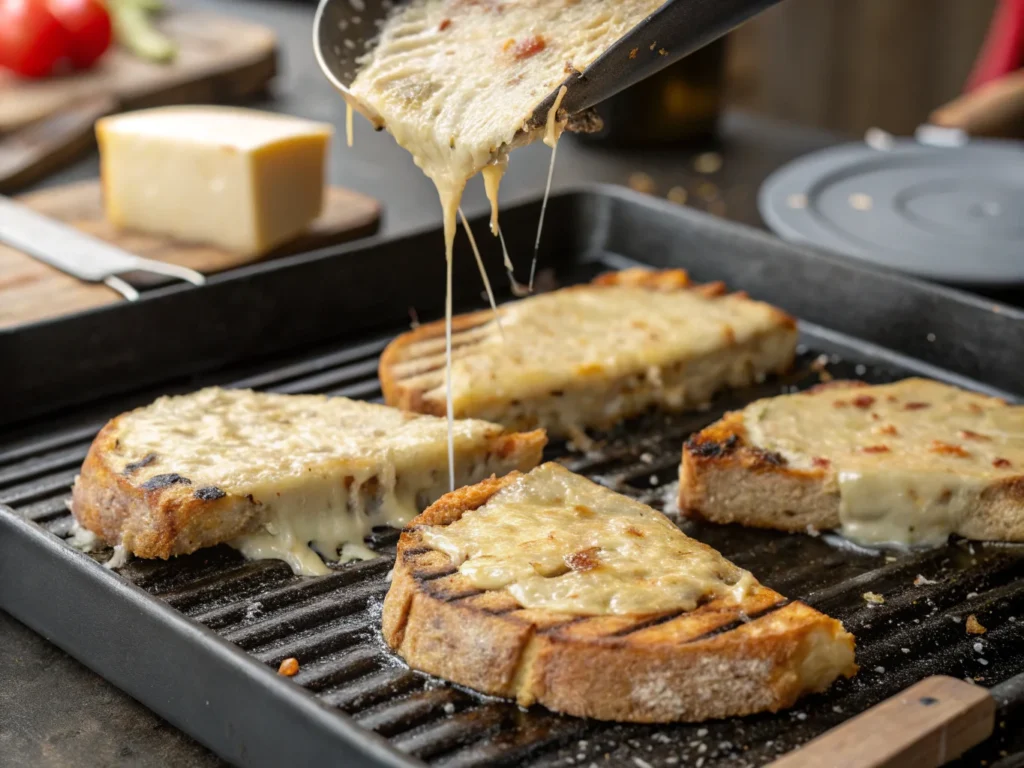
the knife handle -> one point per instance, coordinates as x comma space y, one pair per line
924, 726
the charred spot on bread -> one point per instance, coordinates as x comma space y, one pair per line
772, 458
209, 493
712, 449
157, 482
135, 466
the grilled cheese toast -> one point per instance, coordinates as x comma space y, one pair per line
550, 589
589, 356
907, 463
274, 474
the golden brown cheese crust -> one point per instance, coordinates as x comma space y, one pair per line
723, 478
770, 352
708, 663
168, 515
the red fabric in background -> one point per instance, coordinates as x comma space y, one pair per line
1003, 51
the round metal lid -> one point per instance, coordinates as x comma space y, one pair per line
952, 214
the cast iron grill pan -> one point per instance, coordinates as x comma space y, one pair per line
158, 629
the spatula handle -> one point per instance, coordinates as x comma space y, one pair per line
924, 726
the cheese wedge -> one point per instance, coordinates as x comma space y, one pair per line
273, 475
551, 589
240, 179
588, 356
907, 463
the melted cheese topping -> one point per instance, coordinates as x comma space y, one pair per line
910, 458
455, 81
562, 339
557, 541
321, 470
245, 442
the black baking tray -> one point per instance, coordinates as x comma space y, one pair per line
198, 638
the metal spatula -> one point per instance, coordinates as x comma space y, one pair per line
344, 30
78, 254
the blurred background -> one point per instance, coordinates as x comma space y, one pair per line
709, 132
849, 65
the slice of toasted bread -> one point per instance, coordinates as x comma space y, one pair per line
550, 589
904, 463
589, 356
271, 473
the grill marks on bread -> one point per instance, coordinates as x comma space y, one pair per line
589, 356
722, 658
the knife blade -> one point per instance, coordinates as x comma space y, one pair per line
79, 254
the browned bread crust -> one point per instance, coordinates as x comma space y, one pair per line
769, 352
168, 515
719, 660
723, 478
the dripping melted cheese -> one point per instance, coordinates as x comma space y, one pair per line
456, 82
312, 469
557, 541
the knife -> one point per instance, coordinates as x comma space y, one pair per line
78, 254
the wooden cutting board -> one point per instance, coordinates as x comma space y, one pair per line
219, 59
46, 123
32, 291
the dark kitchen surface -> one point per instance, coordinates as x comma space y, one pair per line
54, 711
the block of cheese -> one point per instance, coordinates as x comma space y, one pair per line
239, 179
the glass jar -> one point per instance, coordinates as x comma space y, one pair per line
679, 104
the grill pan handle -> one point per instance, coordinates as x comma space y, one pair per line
927, 725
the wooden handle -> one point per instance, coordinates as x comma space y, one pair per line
995, 109
925, 726
28, 154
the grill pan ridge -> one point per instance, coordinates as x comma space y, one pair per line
198, 638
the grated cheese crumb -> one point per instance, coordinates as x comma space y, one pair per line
974, 627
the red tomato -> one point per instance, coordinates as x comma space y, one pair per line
32, 41
88, 25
